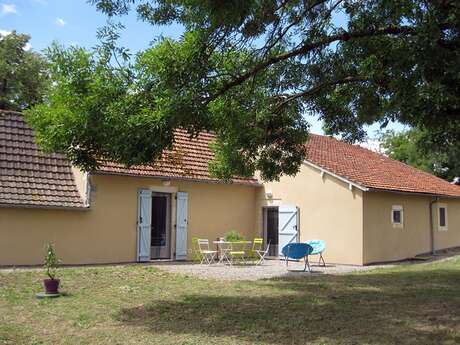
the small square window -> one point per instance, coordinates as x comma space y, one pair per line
397, 216
442, 217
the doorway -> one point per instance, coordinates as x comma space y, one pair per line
160, 229
270, 225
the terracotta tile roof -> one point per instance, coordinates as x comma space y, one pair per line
28, 177
372, 170
188, 159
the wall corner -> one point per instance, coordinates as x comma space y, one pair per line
81, 179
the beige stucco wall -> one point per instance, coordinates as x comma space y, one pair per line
81, 181
329, 210
451, 236
384, 242
107, 231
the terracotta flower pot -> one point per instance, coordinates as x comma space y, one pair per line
51, 286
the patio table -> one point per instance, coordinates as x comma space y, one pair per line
226, 246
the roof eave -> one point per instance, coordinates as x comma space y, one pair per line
177, 178
341, 178
413, 193
47, 207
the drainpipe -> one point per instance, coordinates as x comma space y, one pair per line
433, 251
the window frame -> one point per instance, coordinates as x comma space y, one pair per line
440, 227
399, 208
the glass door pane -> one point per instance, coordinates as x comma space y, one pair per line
160, 247
271, 229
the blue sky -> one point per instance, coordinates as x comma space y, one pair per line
75, 22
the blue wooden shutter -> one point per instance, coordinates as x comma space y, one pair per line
181, 225
288, 226
144, 225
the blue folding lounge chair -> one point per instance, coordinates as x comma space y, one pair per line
297, 251
319, 246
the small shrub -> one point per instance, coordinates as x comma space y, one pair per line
51, 262
233, 236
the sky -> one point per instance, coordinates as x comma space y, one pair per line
75, 22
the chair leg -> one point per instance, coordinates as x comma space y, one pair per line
321, 259
212, 257
307, 264
261, 259
224, 257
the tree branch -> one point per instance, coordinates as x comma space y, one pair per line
282, 33
315, 89
307, 47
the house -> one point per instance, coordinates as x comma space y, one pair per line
367, 207
117, 214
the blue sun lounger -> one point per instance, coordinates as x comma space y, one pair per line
297, 251
319, 246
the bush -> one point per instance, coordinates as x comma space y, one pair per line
51, 262
233, 236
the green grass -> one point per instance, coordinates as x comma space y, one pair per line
134, 304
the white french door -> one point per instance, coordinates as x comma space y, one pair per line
288, 226
144, 225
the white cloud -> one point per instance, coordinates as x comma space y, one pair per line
4, 33
60, 22
373, 145
7, 9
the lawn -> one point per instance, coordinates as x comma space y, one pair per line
135, 304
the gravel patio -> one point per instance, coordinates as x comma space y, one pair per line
275, 268
271, 268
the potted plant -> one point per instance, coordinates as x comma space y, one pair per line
233, 236
51, 265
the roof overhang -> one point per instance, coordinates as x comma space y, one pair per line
179, 178
433, 195
46, 207
323, 171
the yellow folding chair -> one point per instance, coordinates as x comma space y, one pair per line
237, 252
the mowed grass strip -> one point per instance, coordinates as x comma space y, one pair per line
136, 304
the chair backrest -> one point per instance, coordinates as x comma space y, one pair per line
318, 246
297, 250
203, 244
257, 243
267, 250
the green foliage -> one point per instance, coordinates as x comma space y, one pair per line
196, 253
250, 71
23, 74
51, 262
415, 147
233, 236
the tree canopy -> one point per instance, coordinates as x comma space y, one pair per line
418, 148
250, 71
23, 73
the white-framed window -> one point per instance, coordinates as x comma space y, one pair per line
442, 217
397, 216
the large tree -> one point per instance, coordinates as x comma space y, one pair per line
251, 70
23, 73
419, 148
